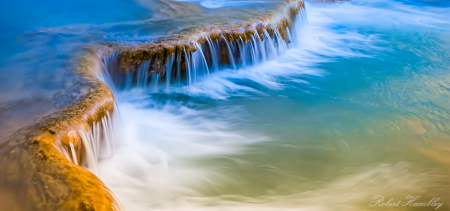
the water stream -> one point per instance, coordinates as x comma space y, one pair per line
357, 105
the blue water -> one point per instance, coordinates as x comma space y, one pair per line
359, 107
41, 43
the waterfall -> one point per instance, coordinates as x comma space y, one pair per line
110, 66
94, 144
215, 63
178, 73
281, 46
169, 65
242, 52
98, 142
143, 74
72, 150
186, 67
203, 58
230, 53
299, 21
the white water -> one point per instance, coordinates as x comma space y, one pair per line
253, 52
176, 141
97, 143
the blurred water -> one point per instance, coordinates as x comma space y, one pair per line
41, 42
358, 108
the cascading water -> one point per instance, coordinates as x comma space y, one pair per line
96, 143
187, 67
296, 126
331, 115
100, 141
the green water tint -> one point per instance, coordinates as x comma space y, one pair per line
372, 118
342, 151
369, 125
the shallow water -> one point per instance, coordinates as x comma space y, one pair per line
358, 107
42, 41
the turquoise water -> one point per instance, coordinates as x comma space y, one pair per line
358, 108
42, 41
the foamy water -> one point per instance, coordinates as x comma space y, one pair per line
357, 107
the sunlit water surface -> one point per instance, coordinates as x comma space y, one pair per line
359, 107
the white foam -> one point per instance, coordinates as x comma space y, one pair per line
157, 138
154, 168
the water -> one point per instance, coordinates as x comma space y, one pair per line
358, 106
41, 43
220, 53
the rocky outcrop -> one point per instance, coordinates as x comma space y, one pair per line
40, 174
131, 56
43, 163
